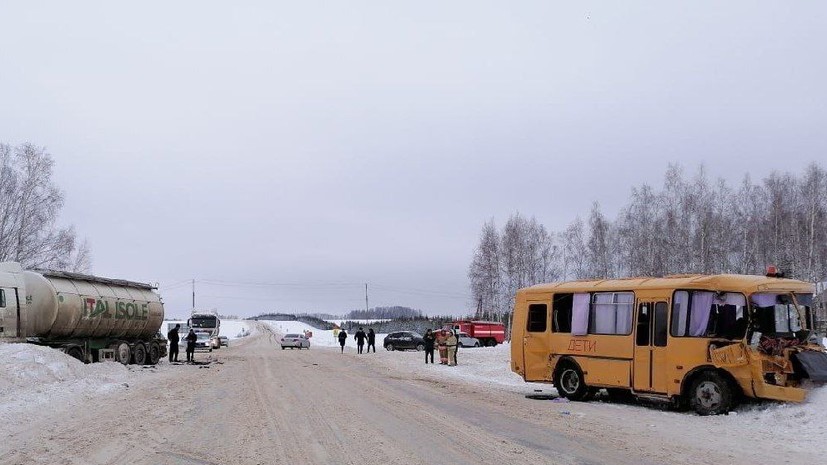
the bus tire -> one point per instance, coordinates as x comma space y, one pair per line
711, 394
570, 383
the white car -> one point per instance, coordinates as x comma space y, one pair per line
204, 342
295, 341
464, 340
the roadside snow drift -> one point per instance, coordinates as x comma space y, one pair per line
33, 377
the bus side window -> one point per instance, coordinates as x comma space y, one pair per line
643, 325
561, 313
661, 315
537, 318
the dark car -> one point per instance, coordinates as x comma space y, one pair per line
402, 340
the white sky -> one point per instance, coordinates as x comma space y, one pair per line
320, 143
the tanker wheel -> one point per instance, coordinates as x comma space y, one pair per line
154, 352
123, 353
76, 352
139, 354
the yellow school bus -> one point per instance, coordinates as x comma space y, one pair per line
702, 341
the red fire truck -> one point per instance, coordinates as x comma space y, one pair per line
490, 333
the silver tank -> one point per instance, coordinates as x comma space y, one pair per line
67, 305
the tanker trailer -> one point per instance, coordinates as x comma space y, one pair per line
88, 317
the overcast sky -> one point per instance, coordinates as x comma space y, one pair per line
316, 146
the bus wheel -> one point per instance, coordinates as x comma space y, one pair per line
569, 381
711, 394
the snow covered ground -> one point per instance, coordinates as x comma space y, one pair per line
358, 321
235, 329
490, 367
32, 378
485, 366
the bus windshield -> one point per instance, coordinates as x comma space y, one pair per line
781, 314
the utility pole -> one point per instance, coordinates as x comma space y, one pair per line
193, 294
367, 308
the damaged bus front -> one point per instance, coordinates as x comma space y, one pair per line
779, 352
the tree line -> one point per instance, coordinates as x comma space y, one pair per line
30, 205
689, 224
383, 313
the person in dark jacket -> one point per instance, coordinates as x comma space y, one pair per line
173, 338
360, 337
342, 339
429, 338
371, 340
191, 338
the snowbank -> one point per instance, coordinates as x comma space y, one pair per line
235, 329
478, 366
33, 376
321, 338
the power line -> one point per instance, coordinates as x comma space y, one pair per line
259, 284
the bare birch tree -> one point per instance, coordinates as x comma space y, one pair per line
687, 227
574, 251
485, 273
30, 204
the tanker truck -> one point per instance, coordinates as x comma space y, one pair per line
88, 317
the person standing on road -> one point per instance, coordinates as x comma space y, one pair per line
443, 350
451, 344
191, 338
371, 340
360, 337
429, 340
173, 338
342, 339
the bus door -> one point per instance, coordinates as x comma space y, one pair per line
650, 348
535, 342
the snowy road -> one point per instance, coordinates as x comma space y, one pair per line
261, 406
